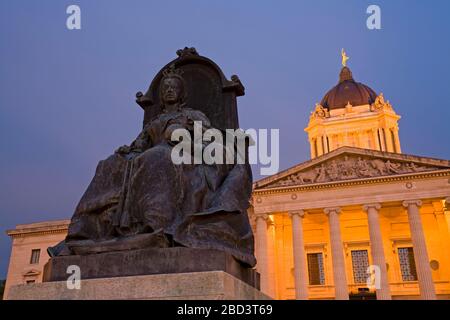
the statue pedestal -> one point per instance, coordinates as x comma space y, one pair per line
148, 262
208, 285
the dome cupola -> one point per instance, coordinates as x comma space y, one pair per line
348, 91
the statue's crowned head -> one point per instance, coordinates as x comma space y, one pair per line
172, 88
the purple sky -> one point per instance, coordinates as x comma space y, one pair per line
67, 97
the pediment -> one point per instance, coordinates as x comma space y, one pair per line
349, 163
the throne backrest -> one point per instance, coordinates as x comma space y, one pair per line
207, 90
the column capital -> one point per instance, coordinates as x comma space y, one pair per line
262, 216
367, 206
300, 213
407, 203
336, 210
447, 202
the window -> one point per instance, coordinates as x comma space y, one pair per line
407, 264
360, 263
315, 269
35, 253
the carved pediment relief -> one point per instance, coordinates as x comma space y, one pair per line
348, 167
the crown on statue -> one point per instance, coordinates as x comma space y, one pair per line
171, 71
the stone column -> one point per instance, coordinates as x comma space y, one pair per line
313, 151
381, 136
444, 234
376, 142
300, 265
447, 212
377, 249
426, 284
325, 144
330, 142
337, 255
271, 258
319, 146
397, 140
261, 254
389, 140
358, 139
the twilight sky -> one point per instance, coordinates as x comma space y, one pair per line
67, 97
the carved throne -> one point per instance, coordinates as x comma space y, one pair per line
209, 90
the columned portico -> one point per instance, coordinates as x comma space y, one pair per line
426, 285
337, 253
300, 265
376, 246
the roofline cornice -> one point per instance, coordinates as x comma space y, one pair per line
354, 182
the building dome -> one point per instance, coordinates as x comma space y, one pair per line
348, 91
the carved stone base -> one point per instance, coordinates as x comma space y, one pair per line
147, 262
210, 285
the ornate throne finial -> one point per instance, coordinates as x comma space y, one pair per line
187, 52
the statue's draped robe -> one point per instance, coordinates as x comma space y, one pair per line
143, 192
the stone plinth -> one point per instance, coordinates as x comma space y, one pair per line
149, 261
190, 286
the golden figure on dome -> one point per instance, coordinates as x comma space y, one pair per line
344, 57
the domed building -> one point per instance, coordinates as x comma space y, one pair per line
360, 220
352, 114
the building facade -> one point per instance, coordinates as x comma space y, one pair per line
316, 238
29, 250
360, 219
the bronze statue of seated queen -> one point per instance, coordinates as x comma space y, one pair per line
140, 199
